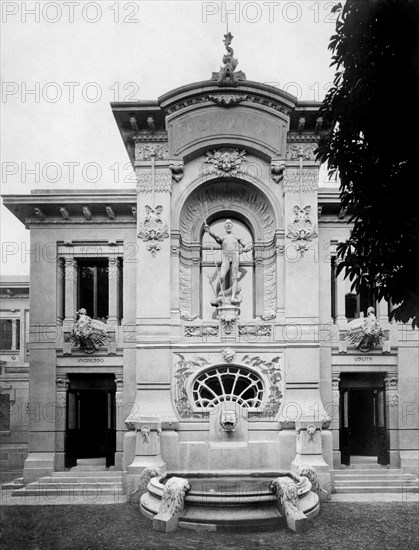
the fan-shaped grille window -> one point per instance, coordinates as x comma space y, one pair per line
227, 384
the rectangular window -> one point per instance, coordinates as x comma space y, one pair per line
9, 339
4, 412
93, 288
6, 334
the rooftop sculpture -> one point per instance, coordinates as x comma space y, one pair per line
228, 75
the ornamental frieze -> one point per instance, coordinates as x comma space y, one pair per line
146, 151
305, 151
228, 101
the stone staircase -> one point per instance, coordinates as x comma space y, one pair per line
90, 482
365, 475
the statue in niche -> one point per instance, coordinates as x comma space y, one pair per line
231, 246
89, 334
365, 333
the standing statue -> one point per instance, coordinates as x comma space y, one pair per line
232, 246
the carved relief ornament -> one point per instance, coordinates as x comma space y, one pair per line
152, 229
162, 180
301, 230
146, 151
225, 162
305, 151
308, 180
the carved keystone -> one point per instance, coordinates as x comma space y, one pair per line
172, 504
289, 506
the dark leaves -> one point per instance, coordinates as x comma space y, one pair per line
371, 111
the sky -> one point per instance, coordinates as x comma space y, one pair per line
64, 62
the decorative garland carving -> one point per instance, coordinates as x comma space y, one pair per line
226, 100
145, 151
248, 98
273, 373
255, 329
201, 330
295, 151
162, 180
152, 229
183, 369
292, 181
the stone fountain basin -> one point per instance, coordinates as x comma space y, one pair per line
218, 500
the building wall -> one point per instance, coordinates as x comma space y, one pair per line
14, 367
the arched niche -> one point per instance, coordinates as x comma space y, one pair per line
254, 217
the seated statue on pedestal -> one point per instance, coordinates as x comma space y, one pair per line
232, 246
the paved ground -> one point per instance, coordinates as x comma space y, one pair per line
339, 526
6, 499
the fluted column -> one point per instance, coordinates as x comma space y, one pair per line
60, 290
70, 290
113, 299
340, 298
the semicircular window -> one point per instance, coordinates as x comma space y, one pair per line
227, 384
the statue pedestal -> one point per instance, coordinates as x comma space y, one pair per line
228, 315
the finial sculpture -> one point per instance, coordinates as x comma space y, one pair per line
228, 75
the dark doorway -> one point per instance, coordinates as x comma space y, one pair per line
90, 430
362, 417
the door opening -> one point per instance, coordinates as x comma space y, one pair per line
90, 429
362, 417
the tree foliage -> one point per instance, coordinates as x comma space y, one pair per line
372, 110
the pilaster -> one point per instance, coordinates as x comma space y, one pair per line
70, 291
392, 415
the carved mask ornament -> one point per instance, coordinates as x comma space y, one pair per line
228, 421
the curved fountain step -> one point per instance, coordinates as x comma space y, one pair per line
224, 502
